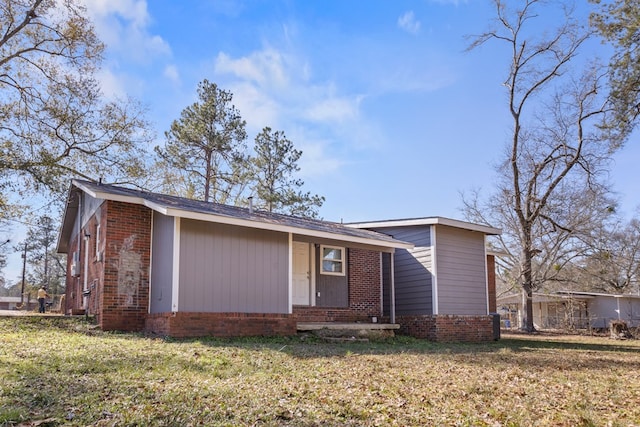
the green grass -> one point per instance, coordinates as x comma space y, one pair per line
63, 371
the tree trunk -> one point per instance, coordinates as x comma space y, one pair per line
527, 283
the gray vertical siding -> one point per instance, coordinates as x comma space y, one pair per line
461, 269
161, 263
333, 290
413, 270
225, 268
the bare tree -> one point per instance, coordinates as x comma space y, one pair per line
55, 122
551, 184
613, 262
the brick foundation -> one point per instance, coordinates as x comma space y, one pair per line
184, 325
447, 328
321, 314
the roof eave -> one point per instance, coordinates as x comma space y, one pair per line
428, 221
396, 244
223, 219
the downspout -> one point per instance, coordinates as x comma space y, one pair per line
85, 285
79, 249
486, 272
382, 285
434, 268
392, 295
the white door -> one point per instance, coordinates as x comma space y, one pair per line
301, 282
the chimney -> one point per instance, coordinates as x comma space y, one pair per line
250, 204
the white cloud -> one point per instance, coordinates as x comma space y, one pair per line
334, 109
409, 23
263, 67
123, 26
112, 86
272, 88
171, 73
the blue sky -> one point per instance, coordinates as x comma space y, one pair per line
394, 118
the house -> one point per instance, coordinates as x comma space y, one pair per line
444, 286
179, 267
141, 261
571, 309
13, 303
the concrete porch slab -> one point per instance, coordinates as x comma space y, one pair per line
349, 331
317, 326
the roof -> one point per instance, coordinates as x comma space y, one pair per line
214, 212
560, 296
596, 294
434, 220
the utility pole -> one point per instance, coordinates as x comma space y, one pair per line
24, 272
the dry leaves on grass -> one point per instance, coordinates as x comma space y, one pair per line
52, 370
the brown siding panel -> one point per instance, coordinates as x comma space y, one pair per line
224, 268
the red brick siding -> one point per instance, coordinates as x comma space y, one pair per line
125, 292
447, 328
491, 282
183, 325
74, 299
73, 287
364, 292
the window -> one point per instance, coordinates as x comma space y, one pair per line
97, 239
332, 260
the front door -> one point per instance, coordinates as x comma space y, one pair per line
301, 282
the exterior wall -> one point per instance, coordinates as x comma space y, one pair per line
364, 288
182, 325
113, 261
602, 310
225, 268
87, 247
413, 270
461, 270
125, 294
161, 264
448, 328
491, 283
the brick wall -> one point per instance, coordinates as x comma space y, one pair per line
87, 252
491, 282
124, 295
183, 325
73, 287
447, 328
364, 292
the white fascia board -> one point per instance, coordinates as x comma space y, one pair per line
428, 221
282, 228
109, 196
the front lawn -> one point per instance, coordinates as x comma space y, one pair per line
63, 371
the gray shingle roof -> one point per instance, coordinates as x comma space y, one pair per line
259, 218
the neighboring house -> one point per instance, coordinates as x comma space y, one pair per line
444, 287
12, 303
569, 309
179, 267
